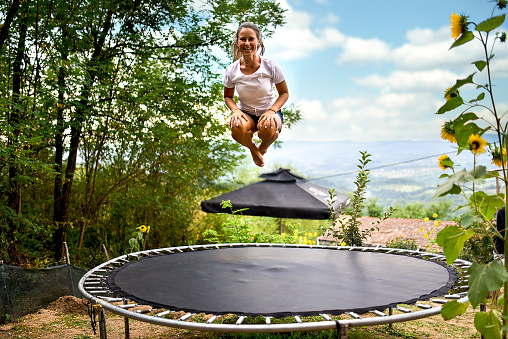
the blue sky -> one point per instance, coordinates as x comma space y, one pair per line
376, 70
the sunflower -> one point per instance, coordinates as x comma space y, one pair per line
477, 144
498, 158
440, 161
458, 24
449, 95
447, 132
142, 228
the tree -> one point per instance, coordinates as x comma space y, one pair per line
114, 97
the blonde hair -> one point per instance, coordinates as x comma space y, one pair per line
234, 46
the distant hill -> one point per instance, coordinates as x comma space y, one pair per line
401, 171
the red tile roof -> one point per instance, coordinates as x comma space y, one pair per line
392, 228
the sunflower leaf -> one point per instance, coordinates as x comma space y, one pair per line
483, 279
448, 187
488, 204
453, 309
488, 324
480, 64
464, 38
469, 219
490, 24
462, 82
463, 118
451, 104
480, 97
462, 133
451, 239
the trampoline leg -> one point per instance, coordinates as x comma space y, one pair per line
126, 323
342, 331
102, 324
390, 312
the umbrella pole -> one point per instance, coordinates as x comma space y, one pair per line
280, 226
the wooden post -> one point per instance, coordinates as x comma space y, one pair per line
280, 226
126, 322
102, 324
105, 252
67, 253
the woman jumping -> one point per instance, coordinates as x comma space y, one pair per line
253, 76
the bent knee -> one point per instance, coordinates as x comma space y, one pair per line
268, 133
241, 130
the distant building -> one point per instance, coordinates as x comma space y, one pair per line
393, 228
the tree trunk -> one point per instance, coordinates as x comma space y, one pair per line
4, 29
60, 234
15, 119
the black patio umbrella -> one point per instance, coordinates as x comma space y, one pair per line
281, 195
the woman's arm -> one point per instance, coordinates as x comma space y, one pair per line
268, 118
238, 117
282, 89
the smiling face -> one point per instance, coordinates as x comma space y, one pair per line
248, 42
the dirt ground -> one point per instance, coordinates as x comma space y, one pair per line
68, 318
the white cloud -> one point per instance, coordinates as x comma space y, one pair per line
331, 19
297, 40
407, 81
361, 51
312, 110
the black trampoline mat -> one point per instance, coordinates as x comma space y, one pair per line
280, 281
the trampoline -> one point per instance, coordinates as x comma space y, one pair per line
267, 281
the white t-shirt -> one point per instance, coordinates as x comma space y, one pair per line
256, 93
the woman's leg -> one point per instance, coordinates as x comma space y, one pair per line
243, 134
268, 134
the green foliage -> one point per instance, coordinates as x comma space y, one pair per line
402, 243
236, 229
488, 324
453, 309
484, 279
111, 118
478, 248
452, 239
421, 211
475, 226
348, 232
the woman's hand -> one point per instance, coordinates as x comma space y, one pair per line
238, 118
268, 119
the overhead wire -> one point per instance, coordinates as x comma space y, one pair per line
376, 167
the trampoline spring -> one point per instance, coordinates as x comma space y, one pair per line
326, 316
111, 300
240, 320
439, 301
145, 310
128, 306
212, 319
378, 313
423, 306
354, 315
453, 296
298, 319
403, 309
164, 313
103, 292
186, 316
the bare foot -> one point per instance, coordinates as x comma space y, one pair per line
257, 156
262, 150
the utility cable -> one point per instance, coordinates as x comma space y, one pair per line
377, 167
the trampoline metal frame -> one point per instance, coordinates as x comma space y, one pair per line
93, 286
